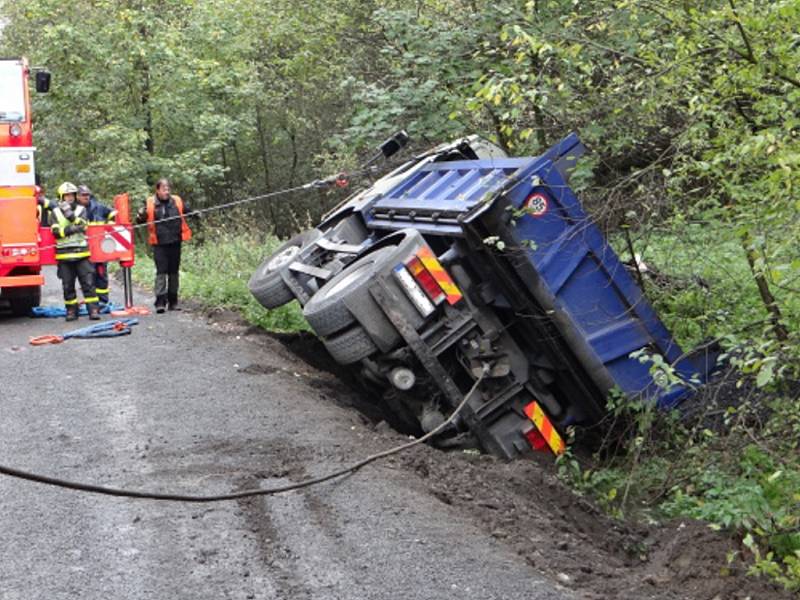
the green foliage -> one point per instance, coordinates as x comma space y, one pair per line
742, 476
215, 273
689, 109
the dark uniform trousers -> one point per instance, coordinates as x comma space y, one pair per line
69, 271
101, 281
168, 261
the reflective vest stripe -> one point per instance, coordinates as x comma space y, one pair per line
71, 246
152, 238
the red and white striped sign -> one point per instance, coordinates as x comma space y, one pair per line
108, 243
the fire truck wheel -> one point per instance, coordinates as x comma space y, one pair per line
267, 284
329, 310
350, 346
22, 300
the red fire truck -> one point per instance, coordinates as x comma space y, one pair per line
20, 257
25, 246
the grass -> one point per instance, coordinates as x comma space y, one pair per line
742, 475
708, 290
215, 274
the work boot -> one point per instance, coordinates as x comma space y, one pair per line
161, 304
72, 312
94, 312
172, 301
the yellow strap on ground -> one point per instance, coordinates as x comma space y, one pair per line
535, 413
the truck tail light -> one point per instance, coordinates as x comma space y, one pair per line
15, 130
536, 440
413, 291
544, 427
14, 251
425, 280
433, 278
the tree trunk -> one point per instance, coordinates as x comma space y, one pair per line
775, 315
263, 145
147, 111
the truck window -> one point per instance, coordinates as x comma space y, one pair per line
12, 100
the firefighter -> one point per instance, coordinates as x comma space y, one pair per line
72, 252
164, 214
44, 206
97, 214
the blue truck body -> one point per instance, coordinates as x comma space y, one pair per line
543, 300
578, 276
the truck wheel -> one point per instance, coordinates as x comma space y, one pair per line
267, 284
350, 346
24, 299
327, 311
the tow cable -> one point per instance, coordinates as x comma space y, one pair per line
110, 491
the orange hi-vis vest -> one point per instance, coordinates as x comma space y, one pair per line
152, 239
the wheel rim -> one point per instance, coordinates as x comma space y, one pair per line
283, 258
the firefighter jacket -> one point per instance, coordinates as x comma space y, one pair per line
170, 231
70, 233
98, 213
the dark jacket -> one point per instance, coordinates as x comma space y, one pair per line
96, 212
168, 232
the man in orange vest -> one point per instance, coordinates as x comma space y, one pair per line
167, 230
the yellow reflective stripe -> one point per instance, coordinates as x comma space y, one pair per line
71, 302
441, 276
112, 216
97, 223
66, 255
535, 413
101, 290
91, 299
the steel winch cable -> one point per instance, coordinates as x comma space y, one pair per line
142, 495
333, 181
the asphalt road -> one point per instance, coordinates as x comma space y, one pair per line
181, 405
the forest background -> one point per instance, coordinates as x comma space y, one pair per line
690, 109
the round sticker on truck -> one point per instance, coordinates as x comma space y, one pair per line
536, 205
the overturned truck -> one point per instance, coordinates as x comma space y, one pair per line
462, 264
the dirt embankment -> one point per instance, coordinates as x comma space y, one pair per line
524, 505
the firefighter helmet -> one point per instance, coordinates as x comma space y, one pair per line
66, 188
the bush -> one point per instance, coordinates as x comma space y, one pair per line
215, 273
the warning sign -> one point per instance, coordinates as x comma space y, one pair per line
109, 243
536, 205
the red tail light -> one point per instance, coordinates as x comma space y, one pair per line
426, 280
536, 440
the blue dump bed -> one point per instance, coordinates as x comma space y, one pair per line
567, 267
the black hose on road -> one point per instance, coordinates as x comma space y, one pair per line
110, 491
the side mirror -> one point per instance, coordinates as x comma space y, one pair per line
42, 81
394, 143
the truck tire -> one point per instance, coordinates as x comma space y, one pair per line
327, 311
267, 284
350, 346
24, 299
